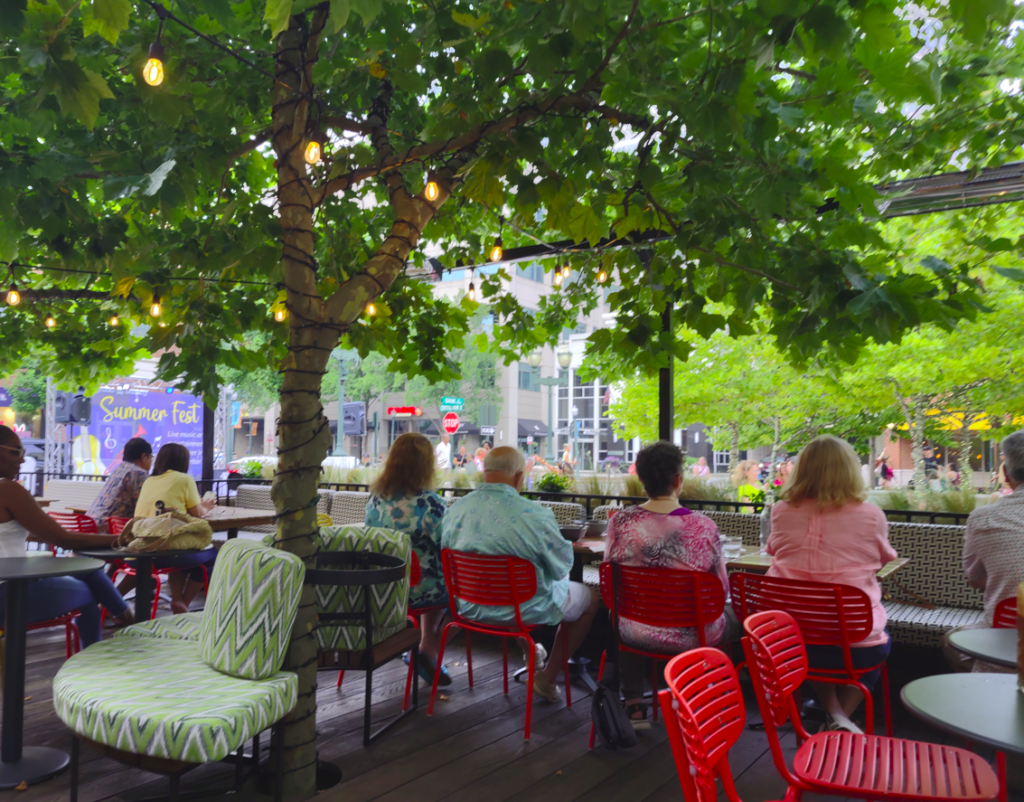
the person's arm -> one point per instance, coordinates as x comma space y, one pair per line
24, 509
197, 508
974, 564
555, 557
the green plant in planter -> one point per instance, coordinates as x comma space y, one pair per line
251, 469
553, 483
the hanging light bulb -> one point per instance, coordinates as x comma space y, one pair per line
155, 309
153, 72
496, 250
114, 321
566, 270
432, 190
602, 276
280, 315
163, 325
371, 309
558, 278
472, 287
315, 147
50, 322
13, 296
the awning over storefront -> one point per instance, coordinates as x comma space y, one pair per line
529, 427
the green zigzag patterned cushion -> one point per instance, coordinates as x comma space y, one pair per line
390, 600
186, 626
250, 609
156, 697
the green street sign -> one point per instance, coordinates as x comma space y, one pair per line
450, 403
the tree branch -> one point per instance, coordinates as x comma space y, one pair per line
57, 294
520, 116
248, 147
339, 123
807, 76
592, 80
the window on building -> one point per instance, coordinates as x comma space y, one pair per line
487, 324
454, 275
581, 328
533, 271
529, 377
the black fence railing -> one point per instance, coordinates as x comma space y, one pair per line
226, 488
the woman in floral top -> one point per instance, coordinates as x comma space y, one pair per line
403, 501
661, 533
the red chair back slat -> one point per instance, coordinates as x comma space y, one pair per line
1005, 615
708, 706
488, 580
827, 614
775, 651
76, 522
415, 572
667, 598
116, 525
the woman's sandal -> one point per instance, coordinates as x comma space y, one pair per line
637, 715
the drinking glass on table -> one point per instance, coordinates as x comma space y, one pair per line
732, 547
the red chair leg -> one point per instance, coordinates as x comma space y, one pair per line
341, 676
531, 667
504, 662
565, 666
437, 668
600, 674
78, 637
886, 703
869, 709
67, 638
156, 594
469, 657
1001, 775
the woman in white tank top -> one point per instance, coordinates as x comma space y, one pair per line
21, 518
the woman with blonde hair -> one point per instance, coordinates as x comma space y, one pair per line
402, 498
823, 530
746, 480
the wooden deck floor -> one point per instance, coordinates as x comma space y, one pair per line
471, 749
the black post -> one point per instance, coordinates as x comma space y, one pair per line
14, 670
666, 403
209, 416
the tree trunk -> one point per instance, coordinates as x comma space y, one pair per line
964, 458
917, 406
303, 430
734, 445
769, 491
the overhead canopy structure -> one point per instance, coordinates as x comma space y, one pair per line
949, 191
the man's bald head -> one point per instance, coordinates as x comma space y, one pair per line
504, 465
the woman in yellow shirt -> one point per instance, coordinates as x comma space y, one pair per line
171, 487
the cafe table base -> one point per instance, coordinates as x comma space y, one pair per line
37, 764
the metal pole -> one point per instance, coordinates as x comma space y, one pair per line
209, 419
375, 428
551, 426
666, 404
339, 445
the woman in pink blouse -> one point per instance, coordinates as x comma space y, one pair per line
824, 531
661, 533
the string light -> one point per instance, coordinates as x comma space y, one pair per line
431, 191
13, 296
50, 322
497, 250
602, 277
153, 72
115, 321
155, 309
280, 315
472, 288
371, 309
558, 278
315, 147
566, 270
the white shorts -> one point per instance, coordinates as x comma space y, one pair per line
576, 602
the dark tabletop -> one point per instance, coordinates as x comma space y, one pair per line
998, 646
124, 554
42, 567
983, 708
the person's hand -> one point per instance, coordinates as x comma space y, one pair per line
30, 538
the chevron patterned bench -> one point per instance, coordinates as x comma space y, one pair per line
197, 699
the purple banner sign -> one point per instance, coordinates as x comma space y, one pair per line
158, 417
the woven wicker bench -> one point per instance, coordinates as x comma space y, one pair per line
67, 493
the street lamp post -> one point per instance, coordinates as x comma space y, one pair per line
564, 357
339, 440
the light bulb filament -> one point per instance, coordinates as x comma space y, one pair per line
431, 191
371, 309
313, 152
13, 296
114, 320
50, 322
153, 72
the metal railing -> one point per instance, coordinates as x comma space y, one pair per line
227, 487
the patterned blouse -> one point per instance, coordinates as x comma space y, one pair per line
420, 516
120, 493
682, 539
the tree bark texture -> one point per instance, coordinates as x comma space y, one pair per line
734, 445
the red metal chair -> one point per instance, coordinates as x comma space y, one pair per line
76, 522
494, 581
841, 763
666, 598
704, 717
1005, 615
828, 615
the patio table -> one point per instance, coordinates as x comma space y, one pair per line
751, 559
18, 763
996, 646
983, 708
227, 519
143, 572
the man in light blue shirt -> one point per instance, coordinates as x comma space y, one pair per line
495, 519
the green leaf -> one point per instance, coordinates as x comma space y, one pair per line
12, 17
1010, 273
340, 10
484, 185
582, 223
278, 14
107, 18
790, 116
936, 265
158, 176
367, 9
469, 21
494, 64
1000, 244
79, 91
220, 10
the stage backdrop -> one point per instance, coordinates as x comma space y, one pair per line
119, 415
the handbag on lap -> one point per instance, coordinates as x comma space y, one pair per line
172, 531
